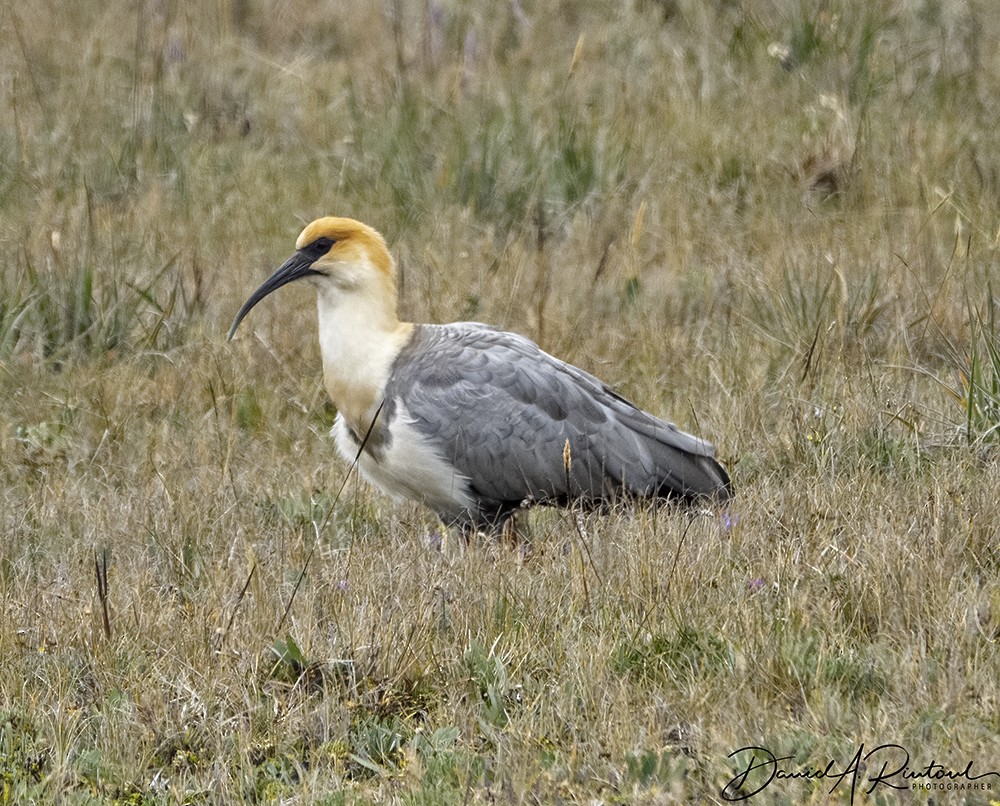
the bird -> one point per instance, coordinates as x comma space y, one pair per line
472, 421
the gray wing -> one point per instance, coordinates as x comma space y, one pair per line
501, 411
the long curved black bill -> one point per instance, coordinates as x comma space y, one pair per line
296, 267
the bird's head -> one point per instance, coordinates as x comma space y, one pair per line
341, 257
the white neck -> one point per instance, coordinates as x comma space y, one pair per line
359, 337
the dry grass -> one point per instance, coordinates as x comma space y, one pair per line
773, 222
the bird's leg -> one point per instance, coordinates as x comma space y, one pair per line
468, 531
515, 534
509, 531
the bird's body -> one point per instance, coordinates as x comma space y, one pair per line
472, 421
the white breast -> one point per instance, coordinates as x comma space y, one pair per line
409, 467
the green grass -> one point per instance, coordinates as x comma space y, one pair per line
775, 223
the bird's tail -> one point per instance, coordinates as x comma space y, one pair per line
706, 479
685, 467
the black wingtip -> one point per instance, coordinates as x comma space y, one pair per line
724, 487
700, 480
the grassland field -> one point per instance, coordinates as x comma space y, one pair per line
774, 222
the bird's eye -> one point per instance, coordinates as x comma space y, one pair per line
321, 246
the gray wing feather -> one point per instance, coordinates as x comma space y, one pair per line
501, 410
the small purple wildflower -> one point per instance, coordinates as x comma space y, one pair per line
756, 584
729, 521
343, 585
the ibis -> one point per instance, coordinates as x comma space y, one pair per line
472, 421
